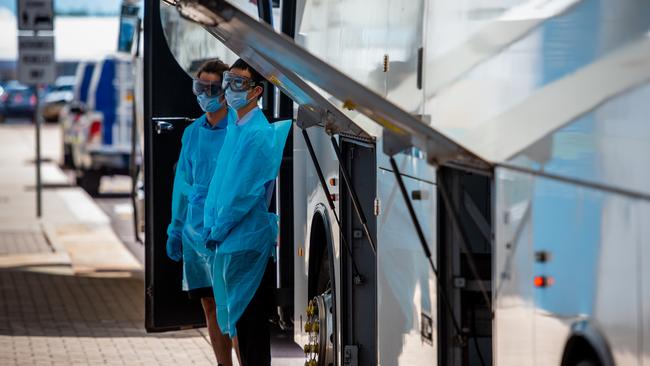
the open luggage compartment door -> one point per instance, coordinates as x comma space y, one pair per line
294, 70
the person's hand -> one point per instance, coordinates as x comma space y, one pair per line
174, 248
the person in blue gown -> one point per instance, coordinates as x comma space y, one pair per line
202, 141
238, 224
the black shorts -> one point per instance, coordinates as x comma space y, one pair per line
201, 292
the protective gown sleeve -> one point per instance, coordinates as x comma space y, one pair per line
182, 186
243, 183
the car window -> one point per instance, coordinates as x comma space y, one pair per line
63, 88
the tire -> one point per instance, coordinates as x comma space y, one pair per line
89, 181
68, 162
587, 362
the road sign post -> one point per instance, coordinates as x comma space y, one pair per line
36, 64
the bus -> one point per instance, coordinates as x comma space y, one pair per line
468, 179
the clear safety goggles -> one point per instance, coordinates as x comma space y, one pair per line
236, 83
208, 87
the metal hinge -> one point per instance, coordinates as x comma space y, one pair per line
351, 355
377, 206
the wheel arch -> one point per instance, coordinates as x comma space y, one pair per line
320, 243
586, 339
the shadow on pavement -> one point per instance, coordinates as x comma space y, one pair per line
113, 195
51, 304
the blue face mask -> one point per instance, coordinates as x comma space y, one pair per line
237, 100
209, 104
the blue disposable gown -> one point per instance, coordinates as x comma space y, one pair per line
238, 223
196, 164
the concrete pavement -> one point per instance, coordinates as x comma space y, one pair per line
70, 293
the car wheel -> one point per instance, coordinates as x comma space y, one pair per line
89, 181
68, 162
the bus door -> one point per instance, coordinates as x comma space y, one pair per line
169, 107
174, 49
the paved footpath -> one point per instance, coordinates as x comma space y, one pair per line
70, 293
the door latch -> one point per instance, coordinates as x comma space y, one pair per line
377, 207
163, 127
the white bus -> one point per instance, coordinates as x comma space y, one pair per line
519, 132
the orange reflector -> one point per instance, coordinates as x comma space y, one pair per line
543, 281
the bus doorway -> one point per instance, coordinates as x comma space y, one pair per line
465, 262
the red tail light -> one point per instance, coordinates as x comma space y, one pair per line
32, 100
543, 281
18, 98
4, 97
95, 131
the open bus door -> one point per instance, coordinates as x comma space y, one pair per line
167, 111
174, 49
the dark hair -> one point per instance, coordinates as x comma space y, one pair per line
257, 78
214, 66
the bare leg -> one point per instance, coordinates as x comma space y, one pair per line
235, 344
221, 344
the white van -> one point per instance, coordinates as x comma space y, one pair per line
104, 137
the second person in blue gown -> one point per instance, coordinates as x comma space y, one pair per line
202, 141
238, 224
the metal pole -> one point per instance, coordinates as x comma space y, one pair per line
353, 196
39, 186
425, 247
133, 168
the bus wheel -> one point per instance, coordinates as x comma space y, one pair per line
320, 328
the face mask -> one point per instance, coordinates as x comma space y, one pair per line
208, 104
237, 100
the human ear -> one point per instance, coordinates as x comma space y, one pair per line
257, 91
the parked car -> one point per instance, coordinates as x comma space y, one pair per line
72, 114
55, 97
17, 100
102, 142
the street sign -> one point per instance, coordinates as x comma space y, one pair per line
36, 59
35, 15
